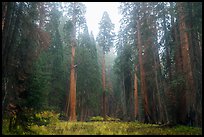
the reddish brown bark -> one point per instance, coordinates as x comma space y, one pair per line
186, 61
72, 88
72, 74
136, 114
178, 71
142, 75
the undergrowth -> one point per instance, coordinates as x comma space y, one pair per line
98, 127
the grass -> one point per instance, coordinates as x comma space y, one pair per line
47, 123
108, 128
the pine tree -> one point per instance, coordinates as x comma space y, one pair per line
105, 40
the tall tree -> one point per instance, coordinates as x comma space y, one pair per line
76, 12
20, 30
72, 71
56, 59
194, 21
105, 40
88, 76
189, 94
142, 73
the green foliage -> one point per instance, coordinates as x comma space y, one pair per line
67, 29
55, 53
46, 117
39, 84
18, 131
112, 119
88, 76
78, 9
96, 118
99, 118
106, 35
123, 71
53, 126
37, 79
5, 127
109, 128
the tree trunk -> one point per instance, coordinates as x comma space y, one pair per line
72, 89
142, 76
195, 53
178, 71
72, 74
123, 99
104, 87
136, 114
9, 38
8, 26
187, 69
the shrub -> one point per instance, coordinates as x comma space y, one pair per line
97, 118
112, 119
46, 117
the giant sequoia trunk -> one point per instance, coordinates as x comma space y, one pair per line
142, 76
72, 88
195, 52
72, 116
189, 93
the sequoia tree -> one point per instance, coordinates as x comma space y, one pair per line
105, 40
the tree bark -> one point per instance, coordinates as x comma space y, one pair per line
136, 114
142, 75
186, 60
72, 73
195, 52
72, 89
104, 87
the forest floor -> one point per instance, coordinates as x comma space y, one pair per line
105, 128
